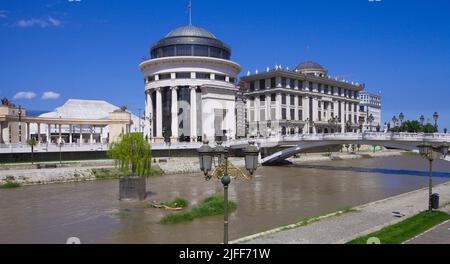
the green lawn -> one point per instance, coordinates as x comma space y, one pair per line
407, 229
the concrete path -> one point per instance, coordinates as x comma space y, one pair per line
367, 219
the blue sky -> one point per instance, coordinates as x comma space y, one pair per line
91, 49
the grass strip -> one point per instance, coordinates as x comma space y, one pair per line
407, 229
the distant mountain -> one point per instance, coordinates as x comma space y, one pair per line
36, 113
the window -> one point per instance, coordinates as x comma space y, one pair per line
319, 88
300, 85
320, 104
300, 101
252, 86
326, 89
273, 98
220, 77
320, 116
169, 51
292, 114
283, 82
262, 115
310, 86
340, 91
300, 115
151, 78
215, 52
283, 99
203, 75
165, 76
252, 101
183, 75
332, 89
272, 113
292, 100
292, 83
200, 50
262, 98
262, 84
232, 80
283, 113
273, 82
184, 50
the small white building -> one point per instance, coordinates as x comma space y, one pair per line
190, 88
79, 110
370, 106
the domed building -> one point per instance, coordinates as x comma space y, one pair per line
311, 68
190, 87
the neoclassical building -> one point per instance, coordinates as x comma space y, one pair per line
190, 88
306, 100
371, 107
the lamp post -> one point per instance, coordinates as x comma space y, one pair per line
431, 153
361, 123
206, 155
394, 121
60, 144
371, 119
422, 120
435, 117
401, 117
348, 125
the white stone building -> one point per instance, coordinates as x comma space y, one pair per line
371, 106
303, 101
81, 133
190, 88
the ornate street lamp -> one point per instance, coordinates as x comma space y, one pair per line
361, 123
431, 153
401, 117
371, 119
220, 152
206, 155
394, 121
435, 117
422, 120
251, 154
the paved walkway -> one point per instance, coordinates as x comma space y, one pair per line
367, 219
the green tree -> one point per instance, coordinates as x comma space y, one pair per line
32, 143
132, 154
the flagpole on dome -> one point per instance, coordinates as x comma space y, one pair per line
190, 12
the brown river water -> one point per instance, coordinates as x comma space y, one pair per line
276, 196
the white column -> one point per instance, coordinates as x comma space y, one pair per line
149, 114
59, 133
268, 102
159, 134
296, 117
288, 108
174, 114
49, 134
91, 135
81, 135
193, 114
28, 131
39, 133
70, 134
101, 135
342, 117
278, 107
257, 109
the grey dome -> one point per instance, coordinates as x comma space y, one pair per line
191, 31
310, 65
190, 41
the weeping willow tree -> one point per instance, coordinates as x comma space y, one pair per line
132, 154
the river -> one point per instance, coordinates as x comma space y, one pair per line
276, 196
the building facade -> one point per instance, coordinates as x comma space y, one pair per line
78, 122
371, 109
190, 88
303, 101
